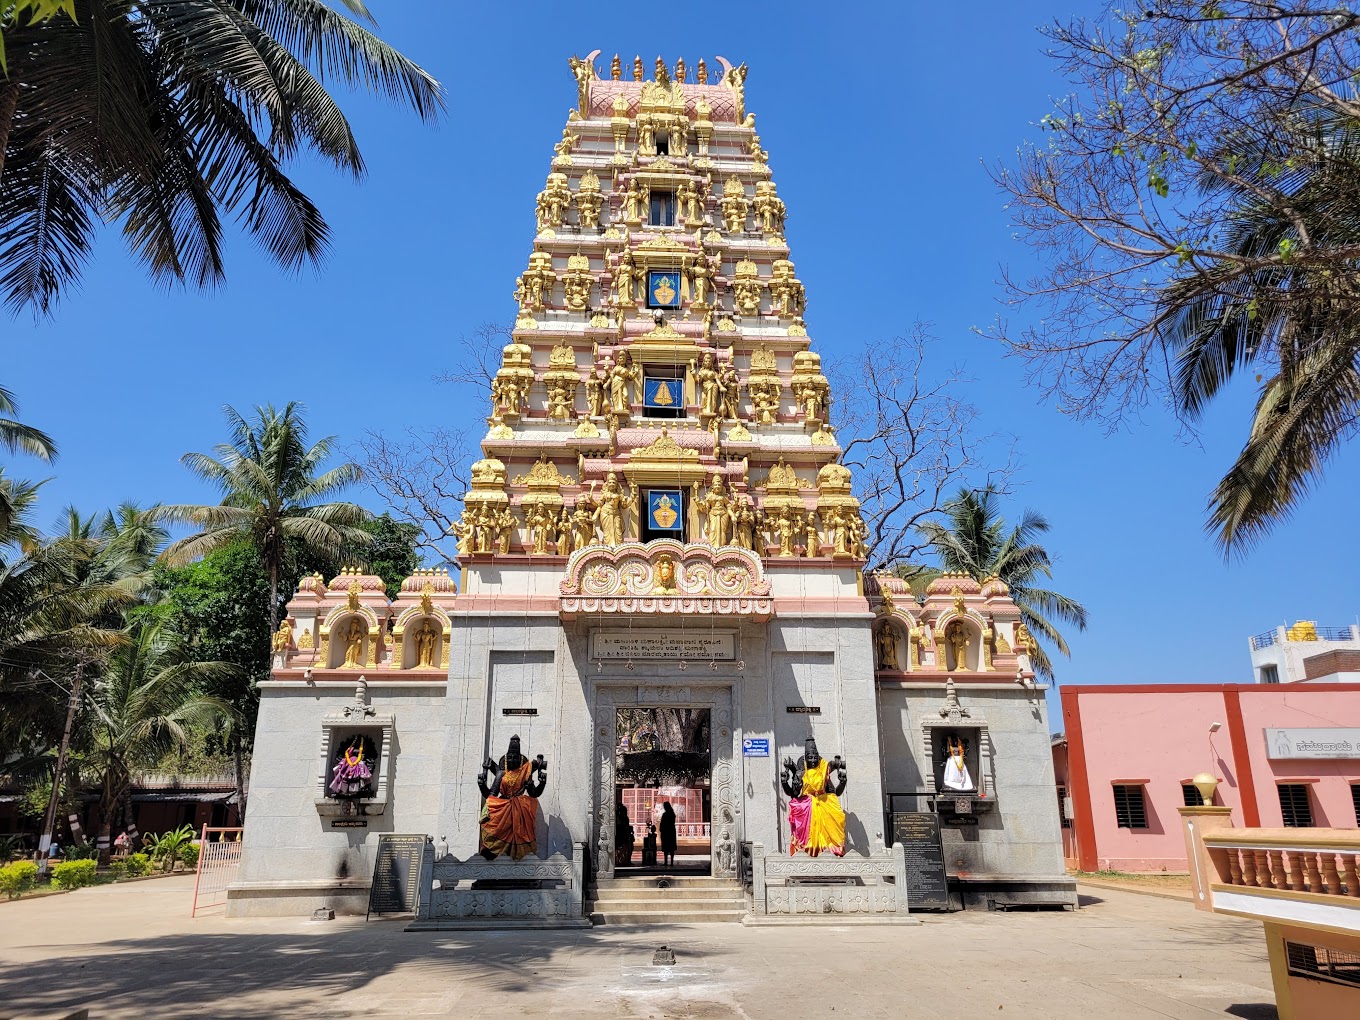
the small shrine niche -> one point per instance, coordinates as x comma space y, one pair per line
355, 759
961, 642
890, 645
957, 746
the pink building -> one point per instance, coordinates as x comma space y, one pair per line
1284, 755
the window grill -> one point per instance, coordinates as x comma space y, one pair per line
1191, 795
1323, 963
1062, 808
1129, 810
1355, 801
1294, 805
1270, 674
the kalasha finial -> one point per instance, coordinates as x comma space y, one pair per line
703, 72
680, 70
615, 68
637, 68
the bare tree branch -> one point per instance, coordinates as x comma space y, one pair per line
481, 356
423, 477
910, 440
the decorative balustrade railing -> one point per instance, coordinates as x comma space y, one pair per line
683, 830
1316, 861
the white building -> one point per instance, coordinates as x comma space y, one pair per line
1306, 651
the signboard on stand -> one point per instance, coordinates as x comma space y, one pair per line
919, 834
396, 874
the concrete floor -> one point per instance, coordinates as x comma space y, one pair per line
132, 951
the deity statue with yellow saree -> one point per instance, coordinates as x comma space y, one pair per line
816, 820
511, 787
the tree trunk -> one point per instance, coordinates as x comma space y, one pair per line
273, 596
50, 816
240, 779
9, 102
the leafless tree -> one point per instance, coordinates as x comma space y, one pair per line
422, 473
911, 439
1182, 112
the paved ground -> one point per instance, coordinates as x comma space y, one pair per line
132, 951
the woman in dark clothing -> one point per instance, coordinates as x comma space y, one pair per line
668, 834
623, 836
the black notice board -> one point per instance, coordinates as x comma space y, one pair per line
919, 834
396, 875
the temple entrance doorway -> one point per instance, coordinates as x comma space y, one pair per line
656, 743
663, 791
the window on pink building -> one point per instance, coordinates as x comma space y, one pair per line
1294, 805
1355, 801
1191, 795
1129, 810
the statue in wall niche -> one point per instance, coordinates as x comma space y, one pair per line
564, 532
511, 788
610, 512
956, 775
427, 640
353, 637
814, 785
957, 636
352, 775
706, 378
886, 645
744, 525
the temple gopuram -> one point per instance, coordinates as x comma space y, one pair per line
660, 654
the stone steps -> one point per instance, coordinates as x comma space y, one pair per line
666, 900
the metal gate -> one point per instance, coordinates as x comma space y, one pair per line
219, 860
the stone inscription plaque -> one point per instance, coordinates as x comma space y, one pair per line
396, 875
919, 834
697, 646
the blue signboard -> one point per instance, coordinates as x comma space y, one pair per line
662, 393
756, 747
664, 510
663, 289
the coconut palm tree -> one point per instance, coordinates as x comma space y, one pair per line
146, 701
16, 437
1290, 320
975, 540
272, 496
163, 117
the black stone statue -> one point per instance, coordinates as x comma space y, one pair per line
791, 776
510, 812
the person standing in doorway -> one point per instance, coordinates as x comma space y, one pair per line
668, 834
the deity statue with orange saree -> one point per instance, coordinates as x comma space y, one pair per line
510, 811
816, 821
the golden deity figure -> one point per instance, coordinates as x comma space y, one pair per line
1024, 642
759, 156
708, 384
618, 127
427, 640
687, 198
564, 147
734, 206
540, 521
813, 534
701, 275
622, 375
839, 525
564, 533
988, 636
786, 527
353, 636
505, 527
583, 522
624, 275
859, 535
718, 511
787, 294
283, 637
553, 201
957, 636
743, 523
916, 636
769, 208
596, 386
635, 200
589, 200
886, 647
735, 79
664, 581
584, 71
765, 400
731, 391
746, 288
610, 511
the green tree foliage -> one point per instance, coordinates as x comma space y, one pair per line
978, 541
163, 118
1196, 201
274, 494
392, 556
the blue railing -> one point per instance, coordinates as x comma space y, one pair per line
1263, 640
1334, 633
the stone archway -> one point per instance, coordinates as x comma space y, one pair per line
726, 823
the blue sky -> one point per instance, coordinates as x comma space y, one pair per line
878, 120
